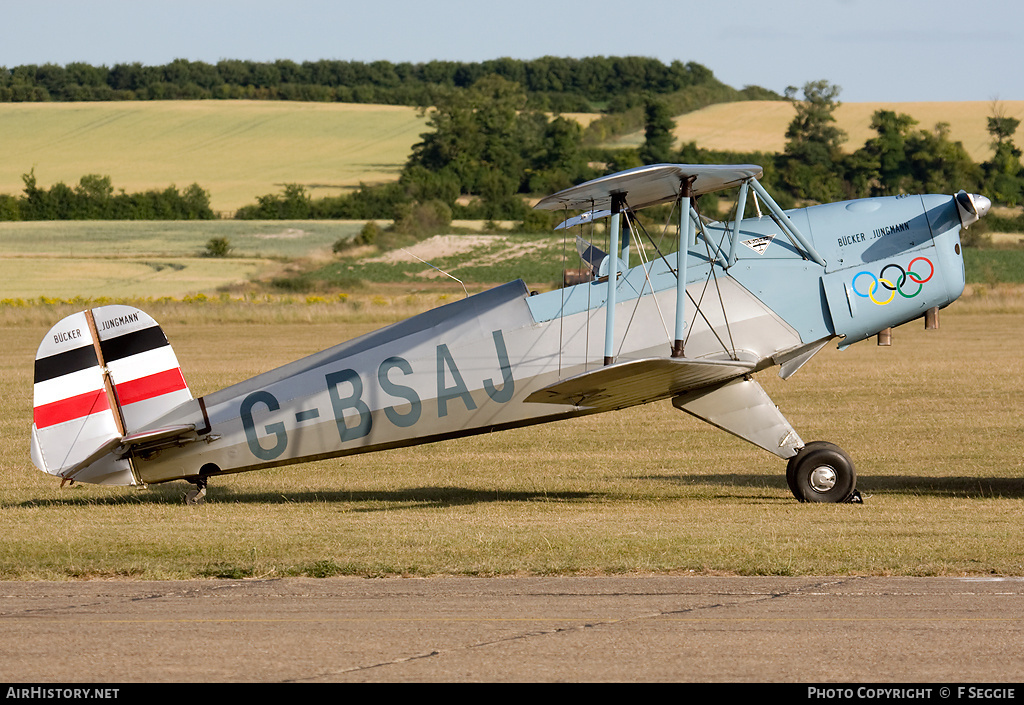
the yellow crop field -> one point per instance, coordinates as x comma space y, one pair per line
68, 277
761, 125
237, 150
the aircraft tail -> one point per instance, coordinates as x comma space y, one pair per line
100, 375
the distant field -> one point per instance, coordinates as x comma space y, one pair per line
151, 258
241, 149
237, 150
68, 278
166, 258
97, 238
761, 125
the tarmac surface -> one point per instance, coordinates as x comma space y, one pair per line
570, 629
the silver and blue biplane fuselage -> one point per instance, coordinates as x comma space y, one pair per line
111, 405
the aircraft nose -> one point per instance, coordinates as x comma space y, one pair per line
981, 203
971, 207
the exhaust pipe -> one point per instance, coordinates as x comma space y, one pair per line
931, 322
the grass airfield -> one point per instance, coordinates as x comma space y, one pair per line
934, 424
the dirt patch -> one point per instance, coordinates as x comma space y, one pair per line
1007, 238
287, 234
493, 249
438, 247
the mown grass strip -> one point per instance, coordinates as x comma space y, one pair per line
932, 423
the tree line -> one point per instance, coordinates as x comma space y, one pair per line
93, 198
611, 84
487, 150
903, 157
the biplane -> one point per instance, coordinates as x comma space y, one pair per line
766, 288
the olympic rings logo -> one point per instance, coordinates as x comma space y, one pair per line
876, 284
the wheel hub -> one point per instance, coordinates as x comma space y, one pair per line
823, 478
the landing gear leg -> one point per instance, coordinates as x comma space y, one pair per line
817, 472
822, 472
197, 495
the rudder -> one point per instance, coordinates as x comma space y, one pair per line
100, 374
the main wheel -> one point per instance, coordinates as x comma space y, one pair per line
821, 472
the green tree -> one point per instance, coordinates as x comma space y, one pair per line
939, 165
196, 203
889, 150
658, 137
811, 163
94, 194
558, 160
812, 136
9, 207
35, 205
486, 141
218, 247
1003, 172
902, 159
293, 204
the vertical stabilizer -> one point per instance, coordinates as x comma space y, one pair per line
72, 413
100, 375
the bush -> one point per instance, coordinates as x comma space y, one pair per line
424, 219
536, 221
218, 247
367, 236
94, 199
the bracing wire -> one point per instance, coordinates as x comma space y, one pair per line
438, 269
711, 275
634, 228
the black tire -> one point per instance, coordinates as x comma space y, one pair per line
791, 479
821, 472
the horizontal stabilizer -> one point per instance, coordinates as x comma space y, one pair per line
121, 447
638, 382
145, 441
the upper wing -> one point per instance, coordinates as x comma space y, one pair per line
650, 185
638, 382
